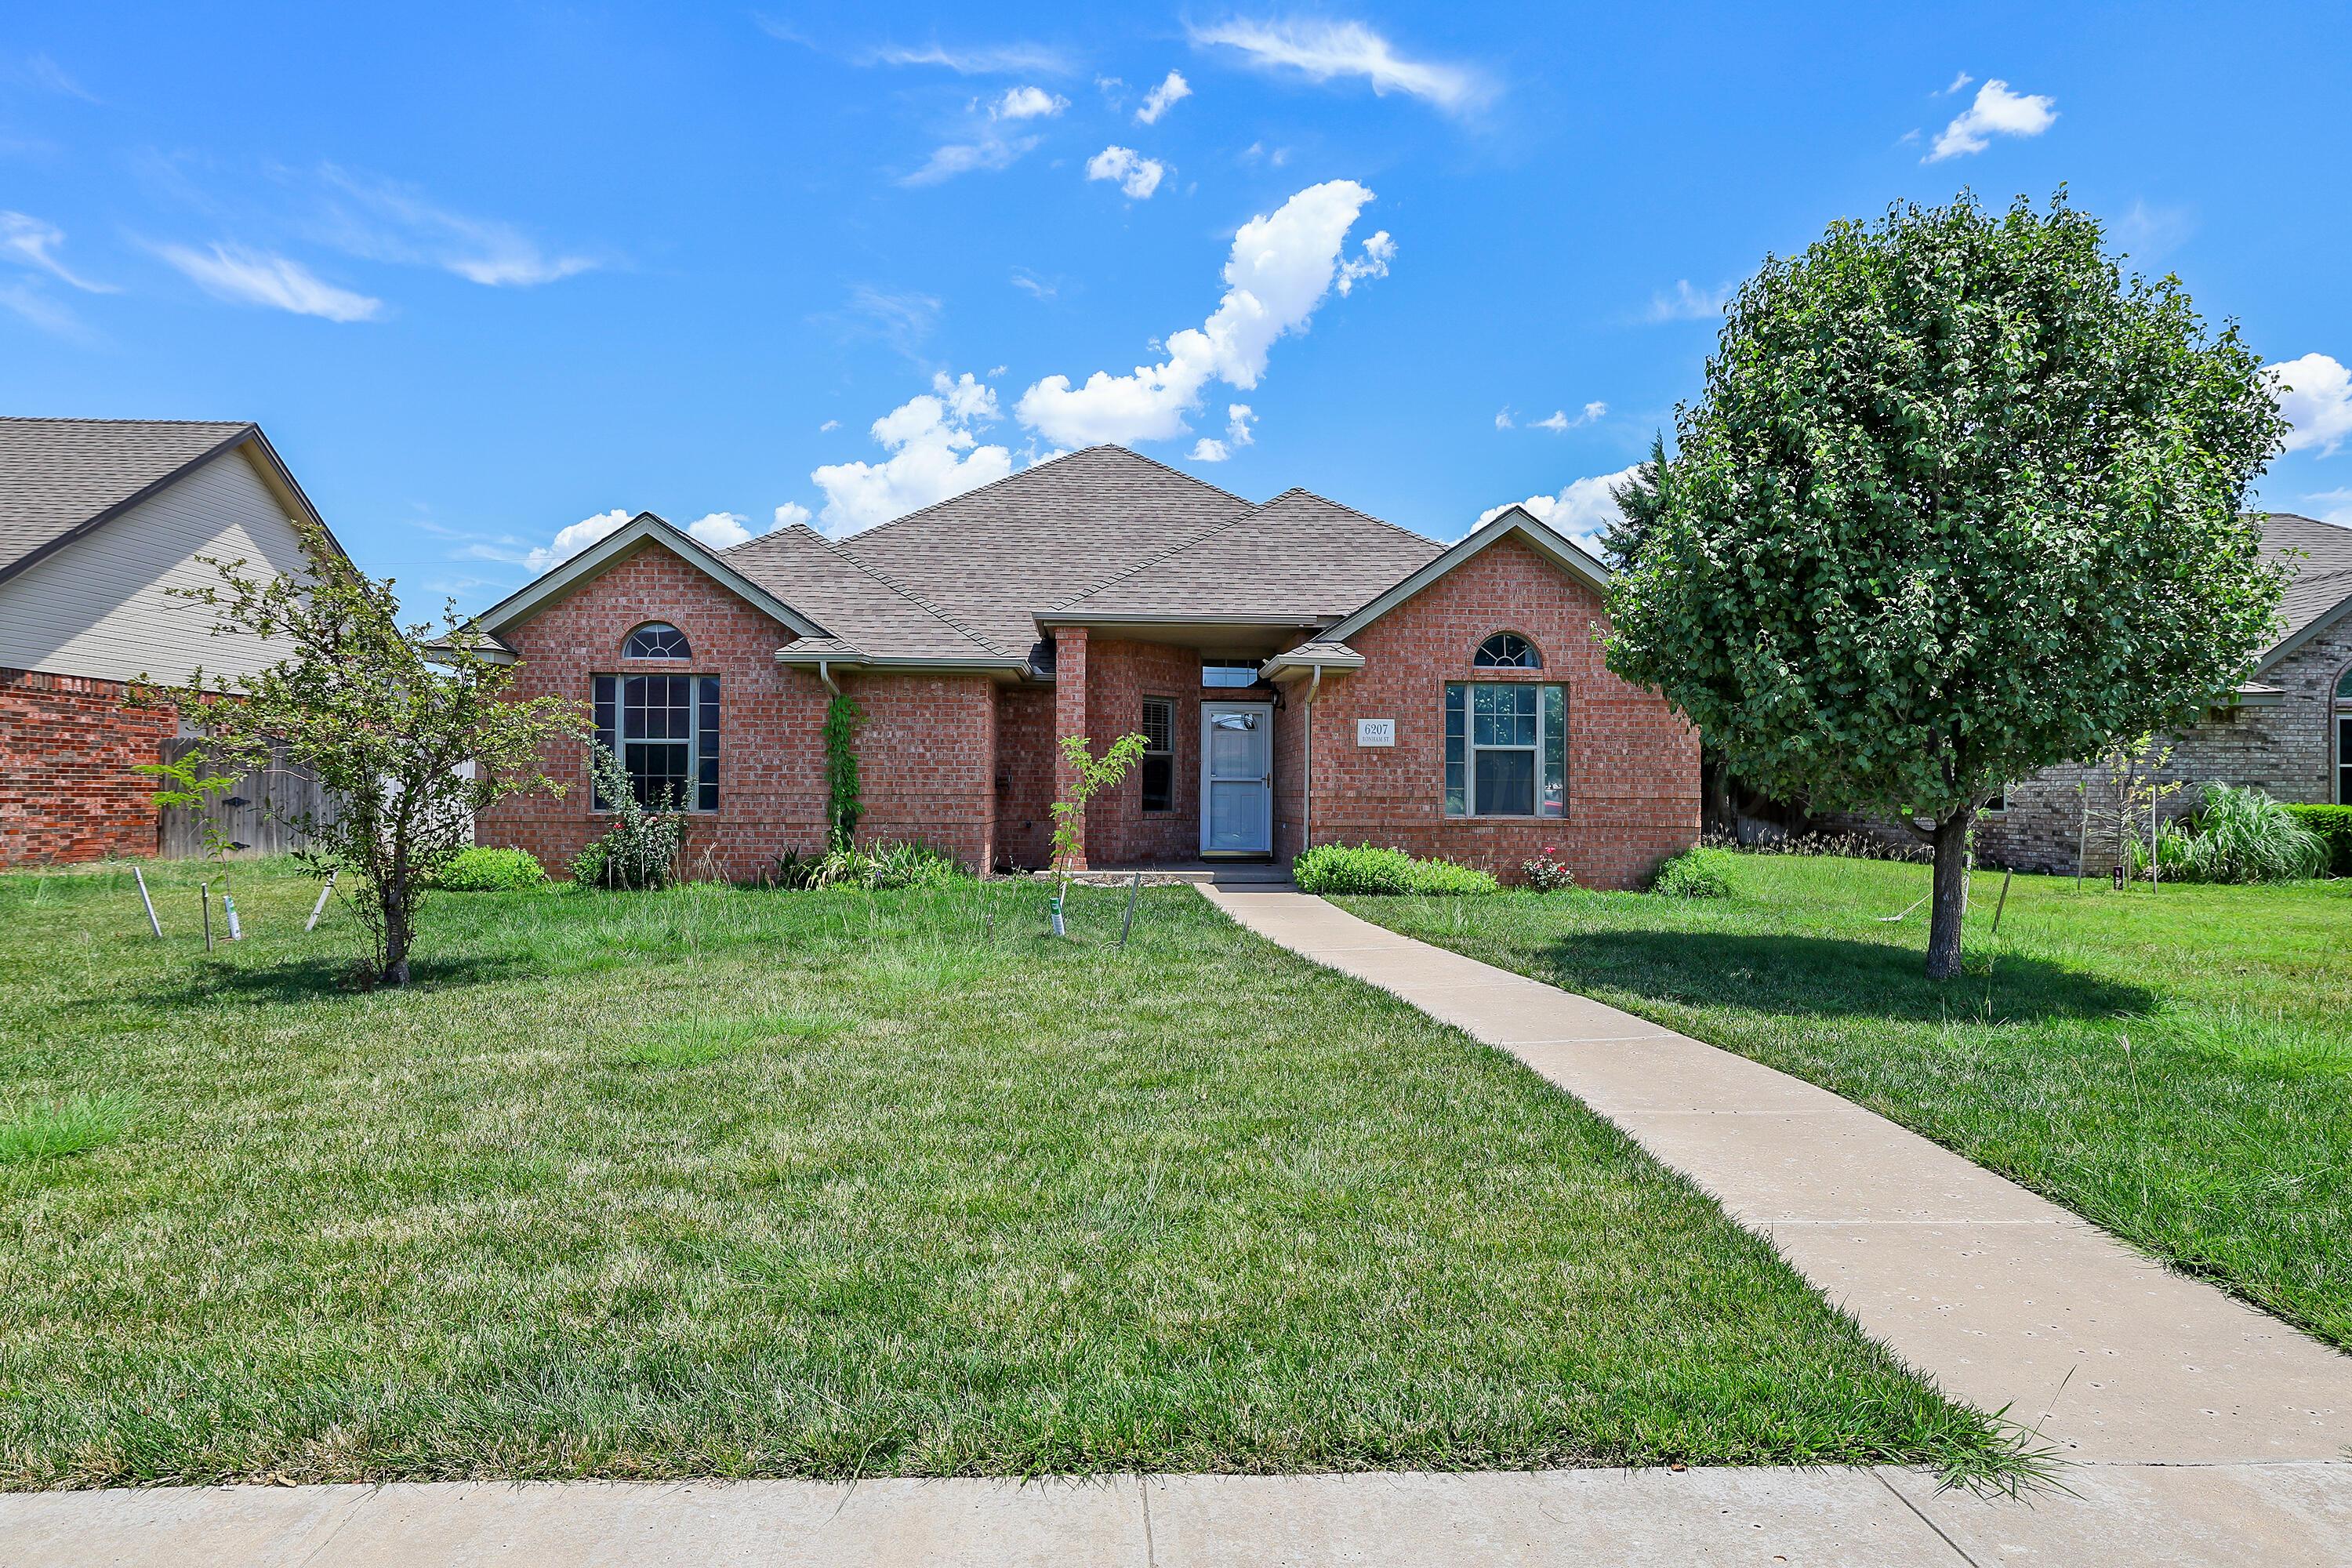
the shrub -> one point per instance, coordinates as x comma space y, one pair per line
1547, 873
1361, 869
2333, 823
1696, 873
485, 870
877, 867
640, 850
2238, 835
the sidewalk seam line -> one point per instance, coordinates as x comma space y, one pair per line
1922, 1518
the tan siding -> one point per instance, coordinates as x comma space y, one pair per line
99, 606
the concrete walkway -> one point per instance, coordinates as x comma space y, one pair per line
2200, 1431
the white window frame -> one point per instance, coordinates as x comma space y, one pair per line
700, 688
1470, 747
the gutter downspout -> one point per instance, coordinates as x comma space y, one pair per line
1306, 793
825, 674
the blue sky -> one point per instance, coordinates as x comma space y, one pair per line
490, 274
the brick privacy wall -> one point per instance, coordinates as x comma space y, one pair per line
2288, 750
68, 746
1025, 770
1120, 675
1632, 761
772, 793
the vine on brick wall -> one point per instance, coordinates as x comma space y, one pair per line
844, 805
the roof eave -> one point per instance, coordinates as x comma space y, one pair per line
1518, 523
562, 578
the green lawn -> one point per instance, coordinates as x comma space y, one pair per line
721, 1182
2176, 1066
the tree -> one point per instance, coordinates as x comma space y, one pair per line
385, 724
1958, 502
1640, 501
1088, 776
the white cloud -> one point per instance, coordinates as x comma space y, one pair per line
570, 541
1960, 81
2152, 231
1378, 251
986, 59
989, 153
1580, 511
1163, 98
828, 424
792, 514
1687, 303
2335, 505
1502, 419
1027, 103
1238, 419
718, 529
1037, 287
935, 453
27, 301
2314, 393
1137, 176
35, 243
257, 277
390, 222
1996, 112
1281, 268
1560, 420
1322, 51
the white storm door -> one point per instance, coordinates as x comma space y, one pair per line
1236, 778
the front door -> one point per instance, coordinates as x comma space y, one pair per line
1236, 778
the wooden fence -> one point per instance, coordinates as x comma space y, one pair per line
249, 813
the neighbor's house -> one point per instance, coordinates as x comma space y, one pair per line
2286, 729
100, 519
1302, 672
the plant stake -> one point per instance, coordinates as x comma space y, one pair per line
205, 894
312, 924
1128, 924
144, 899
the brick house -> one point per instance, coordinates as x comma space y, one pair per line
1304, 673
99, 519
2286, 729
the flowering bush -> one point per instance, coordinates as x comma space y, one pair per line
1547, 872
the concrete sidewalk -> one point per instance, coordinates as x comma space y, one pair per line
2281, 1516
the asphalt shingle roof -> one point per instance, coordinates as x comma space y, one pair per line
992, 558
57, 475
1298, 558
859, 605
2322, 573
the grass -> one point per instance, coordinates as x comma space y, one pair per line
2175, 1066
712, 1182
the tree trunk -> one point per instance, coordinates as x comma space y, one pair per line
1949, 901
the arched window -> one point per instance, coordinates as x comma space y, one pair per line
657, 639
1507, 650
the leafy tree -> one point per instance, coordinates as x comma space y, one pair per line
1640, 501
385, 724
1090, 775
1958, 502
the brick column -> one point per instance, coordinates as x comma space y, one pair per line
1069, 709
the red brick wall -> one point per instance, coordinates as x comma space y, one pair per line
1024, 776
771, 792
1120, 675
926, 748
68, 746
926, 761
1633, 763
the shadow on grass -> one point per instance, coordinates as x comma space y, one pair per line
317, 979
1831, 976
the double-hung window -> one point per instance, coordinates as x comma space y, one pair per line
2343, 740
665, 731
1158, 754
1505, 749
